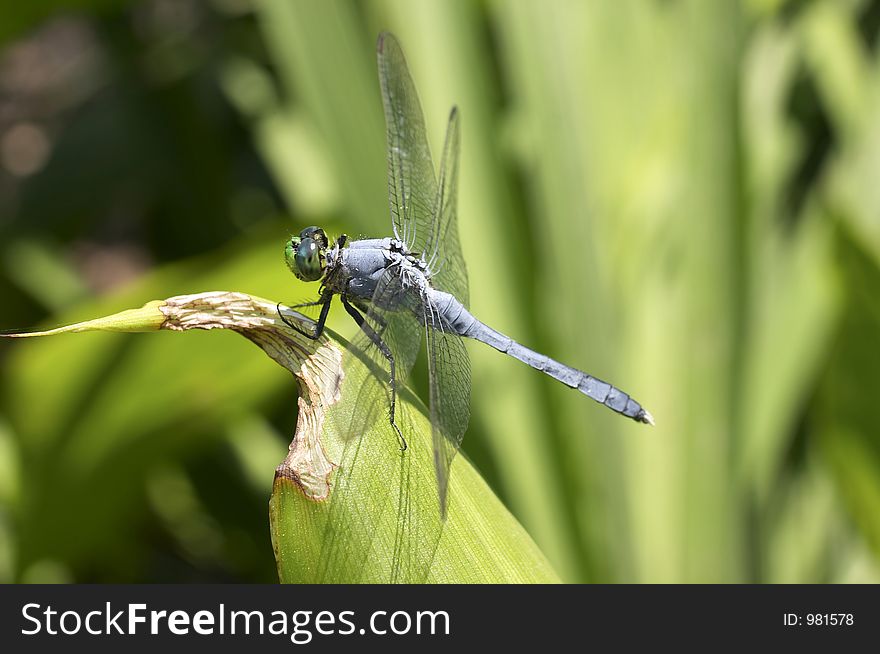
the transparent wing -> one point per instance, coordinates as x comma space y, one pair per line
444, 256
412, 186
370, 459
449, 376
424, 217
392, 315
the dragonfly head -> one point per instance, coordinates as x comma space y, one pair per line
305, 254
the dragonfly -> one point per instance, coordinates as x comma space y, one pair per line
413, 286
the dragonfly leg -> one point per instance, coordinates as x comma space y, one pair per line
363, 307
386, 352
307, 304
315, 334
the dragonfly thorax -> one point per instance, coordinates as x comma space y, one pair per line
407, 259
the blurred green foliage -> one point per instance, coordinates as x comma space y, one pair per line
678, 196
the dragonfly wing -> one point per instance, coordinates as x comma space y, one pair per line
449, 375
424, 217
412, 185
391, 318
355, 512
443, 253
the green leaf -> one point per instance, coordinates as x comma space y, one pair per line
349, 509
381, 521
146, 319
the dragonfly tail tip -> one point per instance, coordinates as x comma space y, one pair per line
646, 417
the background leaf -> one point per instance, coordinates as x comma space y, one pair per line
678, 197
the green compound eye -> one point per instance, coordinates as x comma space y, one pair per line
304, 254
315, 233
307, 259
290, 253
